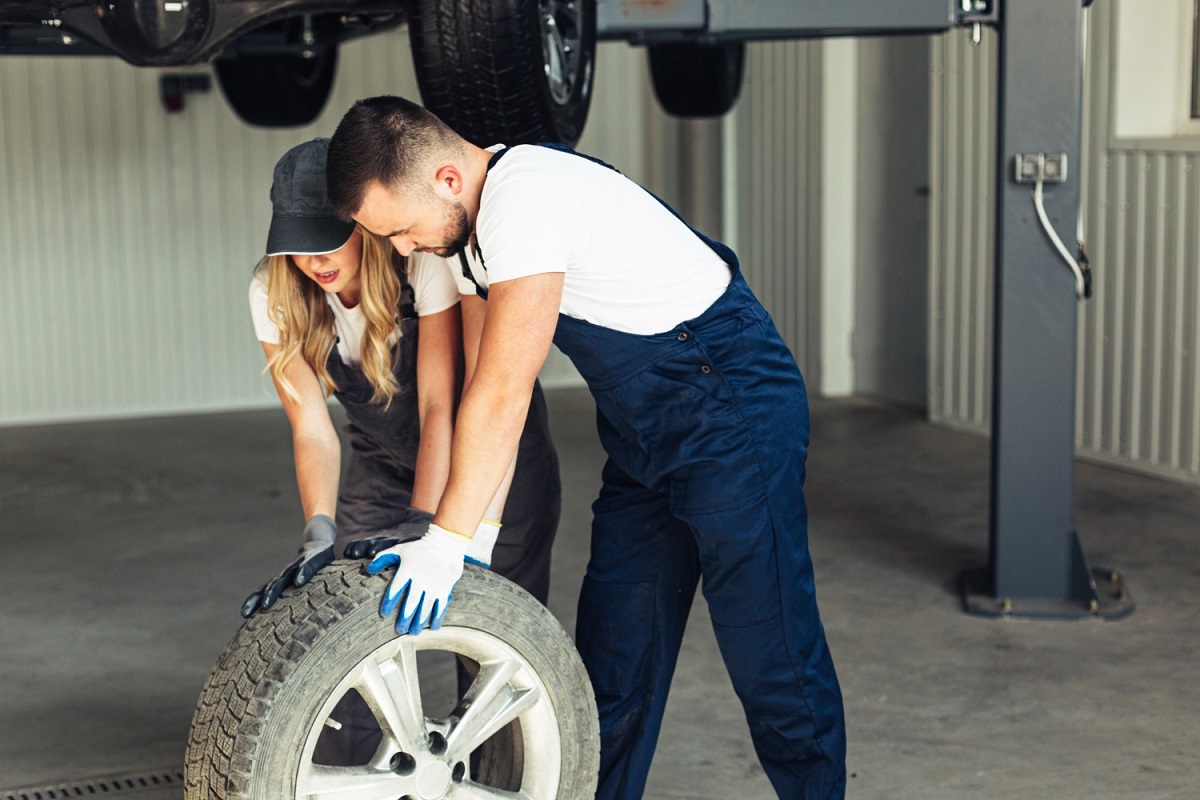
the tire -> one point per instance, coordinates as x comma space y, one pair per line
697, 80
279, 701
510, 71
278, 90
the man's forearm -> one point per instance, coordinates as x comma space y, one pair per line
517, 333
489, 428
495, 509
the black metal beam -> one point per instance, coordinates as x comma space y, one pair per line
1036, 562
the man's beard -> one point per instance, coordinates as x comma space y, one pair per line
460, 231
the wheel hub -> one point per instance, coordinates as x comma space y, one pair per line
433, 779
561, 47
506, 715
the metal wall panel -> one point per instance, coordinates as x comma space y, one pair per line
129, 234
962, 210
1139, 376
1138, 382
778, 184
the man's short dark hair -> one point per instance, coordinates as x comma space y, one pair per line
380, 139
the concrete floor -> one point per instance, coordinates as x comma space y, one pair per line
130, 545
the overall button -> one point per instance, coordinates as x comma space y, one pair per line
706, 369
683, 336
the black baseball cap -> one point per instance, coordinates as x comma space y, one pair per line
302, 220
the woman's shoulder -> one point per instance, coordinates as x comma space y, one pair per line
432, 280
258, 287
264, 328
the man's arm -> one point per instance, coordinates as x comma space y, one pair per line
474, 312
521, 317
439, 345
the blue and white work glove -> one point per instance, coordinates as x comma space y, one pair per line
315, 554
426, 571
480, 551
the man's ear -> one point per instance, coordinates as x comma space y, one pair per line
448, 182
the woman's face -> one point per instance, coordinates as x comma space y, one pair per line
337, 271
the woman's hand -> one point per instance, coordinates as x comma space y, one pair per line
413, 527
315, 554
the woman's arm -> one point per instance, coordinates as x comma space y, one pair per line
439, 348
474, 313
315, 445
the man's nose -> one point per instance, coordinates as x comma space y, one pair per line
403, 244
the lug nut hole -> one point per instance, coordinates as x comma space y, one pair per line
403, 764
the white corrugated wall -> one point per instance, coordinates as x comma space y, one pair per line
128, 234
962, 166
1138, 382
777, 179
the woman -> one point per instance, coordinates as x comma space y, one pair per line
339, 312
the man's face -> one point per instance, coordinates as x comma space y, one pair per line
415, 221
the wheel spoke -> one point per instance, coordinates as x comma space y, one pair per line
558, 46
553, 49
392, 689
489, 704
350, 783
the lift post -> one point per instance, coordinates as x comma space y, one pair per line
1037, 565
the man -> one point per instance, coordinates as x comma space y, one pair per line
700, 408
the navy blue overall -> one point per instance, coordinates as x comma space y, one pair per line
706, 431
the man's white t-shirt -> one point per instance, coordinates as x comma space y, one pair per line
630, 264
434, 290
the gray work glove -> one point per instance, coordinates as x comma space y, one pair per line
315, 554
413, 527
479, 552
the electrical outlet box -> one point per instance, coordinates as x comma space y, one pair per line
1044, 167
1054, 168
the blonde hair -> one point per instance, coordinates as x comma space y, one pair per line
299, 308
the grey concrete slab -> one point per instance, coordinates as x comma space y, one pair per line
129, 546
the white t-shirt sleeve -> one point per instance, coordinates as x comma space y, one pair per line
264, 328
531, 226
434, 288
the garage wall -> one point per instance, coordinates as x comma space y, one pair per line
962, 150
1138, 381
128, 234
890, 348
774, 214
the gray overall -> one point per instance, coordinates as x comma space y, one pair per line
376, 489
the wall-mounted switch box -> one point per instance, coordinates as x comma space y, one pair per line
1044, 167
